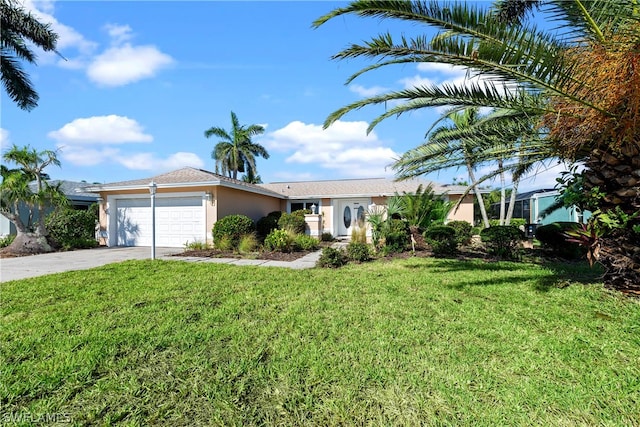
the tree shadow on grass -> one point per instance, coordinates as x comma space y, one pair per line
562, 273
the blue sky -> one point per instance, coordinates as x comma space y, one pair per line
142, 81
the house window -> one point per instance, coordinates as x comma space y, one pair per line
306, 204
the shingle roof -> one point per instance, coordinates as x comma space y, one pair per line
185, 176
371, 187
356, 187
71, 189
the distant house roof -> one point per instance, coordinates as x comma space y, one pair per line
75, 191
371, 187
185, 177
529, 194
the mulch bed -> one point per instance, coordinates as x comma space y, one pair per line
272, 256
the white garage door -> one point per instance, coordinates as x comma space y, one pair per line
178, 220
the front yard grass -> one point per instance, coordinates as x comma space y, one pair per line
404, 342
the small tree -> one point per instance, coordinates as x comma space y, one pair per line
16, 190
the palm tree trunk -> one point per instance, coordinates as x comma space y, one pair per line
503, 194
476, 191
512, 202
618, 176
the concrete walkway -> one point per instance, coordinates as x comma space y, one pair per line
58, 262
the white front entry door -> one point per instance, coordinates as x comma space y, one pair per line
351, 214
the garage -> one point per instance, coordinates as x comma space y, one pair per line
178, 220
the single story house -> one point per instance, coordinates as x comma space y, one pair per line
189, 201
79, 198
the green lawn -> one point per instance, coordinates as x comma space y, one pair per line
408, 342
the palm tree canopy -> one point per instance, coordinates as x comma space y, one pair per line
235, 152
18, 27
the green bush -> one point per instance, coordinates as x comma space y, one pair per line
332, 258
266, 224
72, 229
475, 231
396, 235
326, 237
224, 243
305, 243
552, 237
293, 222
442, 239
502, 240
463, 231
358, 252
248, 243
196, 246
7, 240
279, 241
232, 227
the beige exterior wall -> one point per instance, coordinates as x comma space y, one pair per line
327, 215
230, 201
465, 210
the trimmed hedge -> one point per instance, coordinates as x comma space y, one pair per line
232, 227
442, 239
502, 240
463, 231
293, 221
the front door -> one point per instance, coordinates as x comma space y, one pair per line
351, 214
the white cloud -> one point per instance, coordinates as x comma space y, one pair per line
344, 147
4, 139
110, 129
118, 33
118, 66
367, 91
149, 161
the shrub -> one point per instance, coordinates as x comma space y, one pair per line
7, 240
502, 240
279, 241
326, 237
396, 235
305, 243
359, 235
224, 243
266, 224
232, 227
72, 229
463, 231
293, 222
553, 238
196, 246
442, 239
475, 231
332, 258
248, 243
358, 252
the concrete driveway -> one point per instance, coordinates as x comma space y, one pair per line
58, 262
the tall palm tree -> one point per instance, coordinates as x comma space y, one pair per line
236, 152
18, 27
581, 81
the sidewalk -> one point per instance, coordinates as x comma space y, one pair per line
58, 262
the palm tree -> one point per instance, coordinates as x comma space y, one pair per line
17, 28
236, 152
17, 188
580, 81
